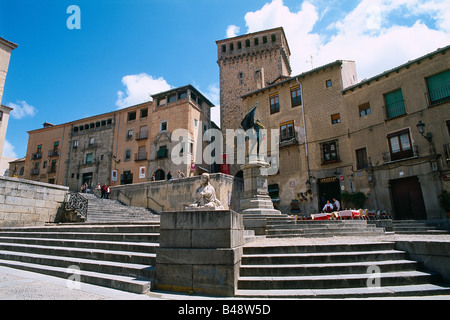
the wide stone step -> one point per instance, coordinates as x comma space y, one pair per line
331, 226
316, 248
144, 227
335, 281
289, 228
313, 269
132, 237
362, 292
95, 254
324, 234
329, 257
88, 244
130, 284
315, 223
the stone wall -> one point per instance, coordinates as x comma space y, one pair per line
176, 194
435, 255
29, 203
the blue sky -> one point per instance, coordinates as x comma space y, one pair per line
127, 50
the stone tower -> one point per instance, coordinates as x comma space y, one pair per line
248, 63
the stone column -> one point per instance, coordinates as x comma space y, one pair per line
256, 199
200, 252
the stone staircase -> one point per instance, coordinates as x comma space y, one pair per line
107, 210
408, 227
119, 256
284, 227
414, 227
333, 271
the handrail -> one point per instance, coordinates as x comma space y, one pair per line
151, 199
78, 203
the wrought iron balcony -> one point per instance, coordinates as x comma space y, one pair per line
395, 109
399, 156
140, 156
36, 156
53, 153
439, 95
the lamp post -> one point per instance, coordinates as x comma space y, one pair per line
429, 137
421, 128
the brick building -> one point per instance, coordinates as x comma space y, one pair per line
120, 147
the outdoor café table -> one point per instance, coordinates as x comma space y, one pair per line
348, 214
321, 216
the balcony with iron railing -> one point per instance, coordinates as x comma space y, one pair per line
53, 153
289, 140
438, 96
412, 153
89, 162
36, 156
140, 156
395, 109
34, 171
141, 135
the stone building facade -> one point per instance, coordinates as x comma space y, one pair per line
120, 147
361, 137
89, 155
398, 167
313, 98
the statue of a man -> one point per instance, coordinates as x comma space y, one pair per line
249, 122
205, 195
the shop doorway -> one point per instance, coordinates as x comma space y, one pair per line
87, 178
329, 188
407, 199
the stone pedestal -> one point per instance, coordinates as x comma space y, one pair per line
200, 252
256, 205
256, 199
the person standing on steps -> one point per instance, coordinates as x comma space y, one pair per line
103, 190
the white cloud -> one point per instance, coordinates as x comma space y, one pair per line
21, 109
213, 94
232, 31
369, 33
139, 88
8, 150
